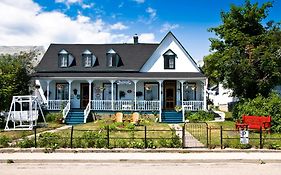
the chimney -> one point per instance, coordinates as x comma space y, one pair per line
136, 39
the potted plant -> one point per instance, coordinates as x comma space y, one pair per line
178, 108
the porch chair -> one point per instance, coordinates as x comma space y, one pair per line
136, 118
119, 117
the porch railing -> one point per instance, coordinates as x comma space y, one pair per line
102, 105
193, 105
87, 111
145, 105
57, 104
124, 105
66, 110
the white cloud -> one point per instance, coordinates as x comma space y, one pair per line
34, 27
152, 14
88, 6
68, 1
28, 24
118, 26
139, 1
167, 27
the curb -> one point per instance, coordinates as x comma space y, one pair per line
147, 161
117, 150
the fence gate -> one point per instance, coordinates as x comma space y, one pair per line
195, 135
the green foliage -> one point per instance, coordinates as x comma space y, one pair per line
15, 76
4, 141
261, 106
246, 55
91, 139
26, 143
51, 117
200, 116
52, 140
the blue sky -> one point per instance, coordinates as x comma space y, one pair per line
41, 22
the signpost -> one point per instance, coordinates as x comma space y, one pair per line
244, 136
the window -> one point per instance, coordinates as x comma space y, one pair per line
169, 59
112, 58
62, 91
151, 91
189, 91
63, 56
88, 58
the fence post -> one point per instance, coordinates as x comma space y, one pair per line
107, 136
261, 146
183, 136
71, 137
210, 135
221, 137
207, 130
35, 137
145, 141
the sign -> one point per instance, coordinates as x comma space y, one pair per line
244, 137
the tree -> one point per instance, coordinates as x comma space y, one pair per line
15, 76
246, 55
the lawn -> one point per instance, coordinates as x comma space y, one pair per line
231, 137
120, 134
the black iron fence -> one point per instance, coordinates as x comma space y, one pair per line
243, 139
110, 138
189, 135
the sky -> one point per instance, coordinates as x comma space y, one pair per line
41, 22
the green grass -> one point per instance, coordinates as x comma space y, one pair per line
20, 134
121, 134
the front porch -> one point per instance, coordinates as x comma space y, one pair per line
123, 95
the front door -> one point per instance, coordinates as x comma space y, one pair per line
169, 95
84, 95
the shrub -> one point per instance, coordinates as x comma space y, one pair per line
261, 106
4, 141
201, 116
51, 140
51, 117
26, 143
93, 140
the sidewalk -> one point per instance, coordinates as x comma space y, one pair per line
203, 157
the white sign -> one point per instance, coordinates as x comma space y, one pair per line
244, 137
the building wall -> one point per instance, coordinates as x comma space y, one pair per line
183, 62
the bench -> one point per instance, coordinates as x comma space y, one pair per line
254, 122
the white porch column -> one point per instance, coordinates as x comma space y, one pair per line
48, 92
135, 82
160, 100
182, 81
90, 90
69, 89
205, 94
112, 81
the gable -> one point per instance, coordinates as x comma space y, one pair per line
183, 61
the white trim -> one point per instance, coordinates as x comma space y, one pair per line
118, 78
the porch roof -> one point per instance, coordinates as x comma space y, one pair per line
120, 75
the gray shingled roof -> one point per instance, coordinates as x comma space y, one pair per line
133, 57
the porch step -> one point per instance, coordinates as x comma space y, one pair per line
75, 116
171, 117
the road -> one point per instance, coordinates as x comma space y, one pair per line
125, 168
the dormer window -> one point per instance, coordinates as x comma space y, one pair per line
112, 58
63, 57
169, 59
88, 58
